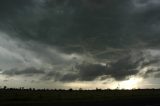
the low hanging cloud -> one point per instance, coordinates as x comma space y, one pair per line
122, 69
119, 70
25, 72
90, 71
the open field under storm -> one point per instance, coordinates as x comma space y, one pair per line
79, 97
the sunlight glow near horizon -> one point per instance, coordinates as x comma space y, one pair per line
132, 83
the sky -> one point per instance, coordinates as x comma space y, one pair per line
62, 44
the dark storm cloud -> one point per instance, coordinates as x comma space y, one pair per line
52, 75
127, 65
85, 72
89, 72
93, 24
144, 23
69, 78
57, 76
119, 70
124, 67
104, 29
7, 5
8, 9
62, 21
28, 71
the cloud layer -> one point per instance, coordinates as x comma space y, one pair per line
84, 40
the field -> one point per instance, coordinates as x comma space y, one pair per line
28, 97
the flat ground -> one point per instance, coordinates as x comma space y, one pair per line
16, 97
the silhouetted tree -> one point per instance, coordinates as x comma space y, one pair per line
97, 89
5, 87
80, 89
70, 89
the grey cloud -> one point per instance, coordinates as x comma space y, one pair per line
129, 65
105, 30
146, 3
157, 75
112, 25
52, 75
61, 21
28, 71
149, 72
151, 64
32, 54
145, 23
69, 77
152, 71
65, 20
47, 53
119, 70
84, 72
89, 72
124, 67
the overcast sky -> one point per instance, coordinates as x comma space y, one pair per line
80, 43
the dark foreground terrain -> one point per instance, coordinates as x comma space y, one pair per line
22, 97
